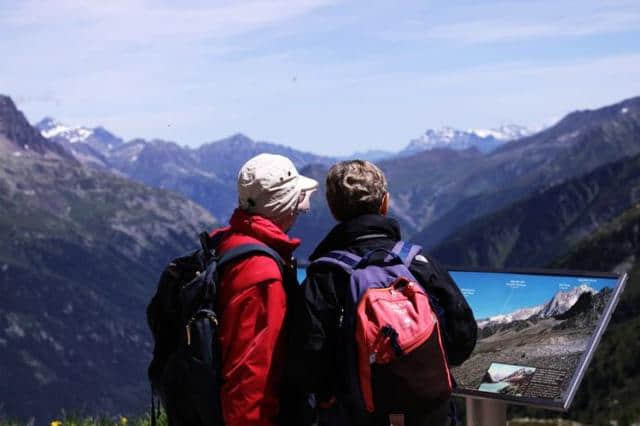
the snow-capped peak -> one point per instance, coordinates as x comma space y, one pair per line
563, 301
50, 128
504, 133
520, 314
97, 138
485, 140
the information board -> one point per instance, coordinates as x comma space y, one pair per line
536, 332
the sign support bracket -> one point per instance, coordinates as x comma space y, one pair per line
486, 412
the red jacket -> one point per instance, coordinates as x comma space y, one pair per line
252, 305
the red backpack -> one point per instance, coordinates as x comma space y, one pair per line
400, 358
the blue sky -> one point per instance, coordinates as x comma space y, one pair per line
327, 76
491, 294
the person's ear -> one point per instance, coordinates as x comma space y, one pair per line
384, 206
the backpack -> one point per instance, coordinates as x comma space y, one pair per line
185, 369
395, 356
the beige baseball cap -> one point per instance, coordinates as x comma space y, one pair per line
270, 186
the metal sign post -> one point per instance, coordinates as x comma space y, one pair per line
486, 412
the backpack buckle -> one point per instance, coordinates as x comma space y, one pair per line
204, 312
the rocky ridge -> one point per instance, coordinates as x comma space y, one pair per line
81, 255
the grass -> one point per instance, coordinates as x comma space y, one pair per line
526, 421
92, 421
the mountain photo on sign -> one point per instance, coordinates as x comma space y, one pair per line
533, 330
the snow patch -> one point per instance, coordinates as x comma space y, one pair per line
561, 302
624, 110
55, 130
72, 134
506, 132
484, 139
130, 152
567, 136
520, 314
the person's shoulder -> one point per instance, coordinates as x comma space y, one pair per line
421, 259
321, 270
425, 258
320, 267
427, 267
256, 267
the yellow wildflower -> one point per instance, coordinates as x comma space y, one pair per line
123, 420
56, 423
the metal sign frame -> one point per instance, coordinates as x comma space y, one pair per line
569, 393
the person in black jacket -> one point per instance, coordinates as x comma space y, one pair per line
358, 198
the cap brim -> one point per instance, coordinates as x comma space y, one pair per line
306, 184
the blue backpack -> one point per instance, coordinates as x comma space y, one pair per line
395, 355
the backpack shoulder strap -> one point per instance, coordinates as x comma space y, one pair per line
244, 250
406, 251
341, 258
349, 261
208, 242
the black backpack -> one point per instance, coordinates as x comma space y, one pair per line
185, 369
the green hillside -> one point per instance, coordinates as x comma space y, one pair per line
611, 387
544, 226
80, 255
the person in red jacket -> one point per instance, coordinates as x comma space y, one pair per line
252, 299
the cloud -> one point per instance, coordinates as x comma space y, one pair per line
499, 31
88, 53
211, 69
524, 23
43, 98
144, 20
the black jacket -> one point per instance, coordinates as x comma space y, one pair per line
320, 368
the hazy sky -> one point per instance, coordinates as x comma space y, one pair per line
327, 76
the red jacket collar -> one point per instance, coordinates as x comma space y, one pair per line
262, 229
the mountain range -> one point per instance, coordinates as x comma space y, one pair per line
560, 303
206, 175
578, 144
483, 140
435, 192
